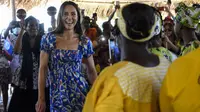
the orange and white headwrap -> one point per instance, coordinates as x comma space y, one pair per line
155, 30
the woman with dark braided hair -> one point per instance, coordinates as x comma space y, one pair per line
133, 84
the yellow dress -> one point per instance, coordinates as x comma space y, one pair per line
127, 87
180, 91
98, 68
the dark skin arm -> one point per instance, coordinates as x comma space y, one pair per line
112, 15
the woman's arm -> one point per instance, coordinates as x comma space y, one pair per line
41, 103
42, 75
18, 45
92, 74
169, 12
169, 45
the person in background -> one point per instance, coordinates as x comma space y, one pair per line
198, 32
168, 25
62, 52
107, 26
186, 24
157, 48
133, 84
83, 12
25, 77
95, 25
103, 57
5, 73
180, 89
91, 33
14, 28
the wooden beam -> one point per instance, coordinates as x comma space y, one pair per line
13, 9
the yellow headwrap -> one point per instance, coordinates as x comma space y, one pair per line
155, 30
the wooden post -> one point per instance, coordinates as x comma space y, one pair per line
12, 2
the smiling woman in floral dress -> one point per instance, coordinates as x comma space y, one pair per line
62, 52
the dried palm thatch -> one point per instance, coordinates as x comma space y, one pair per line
26, 4
102, 8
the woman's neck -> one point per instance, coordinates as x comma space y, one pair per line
138, 51
143, 58
68, 34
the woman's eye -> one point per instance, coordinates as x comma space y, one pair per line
73, 14
65, 14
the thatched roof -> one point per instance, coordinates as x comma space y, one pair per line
28, 4
102, 7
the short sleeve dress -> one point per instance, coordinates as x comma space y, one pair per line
68, 86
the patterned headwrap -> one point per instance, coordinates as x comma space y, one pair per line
187, 16
168, 20
198, 28
155, 30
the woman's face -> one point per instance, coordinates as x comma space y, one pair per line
32, 28
16, 30
168, 29
69, 17
85, 24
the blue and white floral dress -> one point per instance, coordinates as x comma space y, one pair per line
68, 86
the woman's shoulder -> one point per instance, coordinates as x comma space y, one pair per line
84, 40
49, 37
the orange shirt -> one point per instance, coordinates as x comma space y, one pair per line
91, 33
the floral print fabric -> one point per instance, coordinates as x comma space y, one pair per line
68, 86
16, 73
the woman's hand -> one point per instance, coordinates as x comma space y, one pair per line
167, 9
40, 106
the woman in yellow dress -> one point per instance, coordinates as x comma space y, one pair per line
181, 86
133, 84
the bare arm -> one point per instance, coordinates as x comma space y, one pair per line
174, 48
18, 45
169, 45
92, 74
42, 75
169, 12
112, 15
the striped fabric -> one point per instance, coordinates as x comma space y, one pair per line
140, 83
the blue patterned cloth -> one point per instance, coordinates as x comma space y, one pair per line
68, 86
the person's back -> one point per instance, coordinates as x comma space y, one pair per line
127, 87
181, 87
133, 84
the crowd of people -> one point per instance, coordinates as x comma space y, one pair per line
142, 63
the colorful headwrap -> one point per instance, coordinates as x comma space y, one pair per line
187, 16
155, 30
198, 28
168, 20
